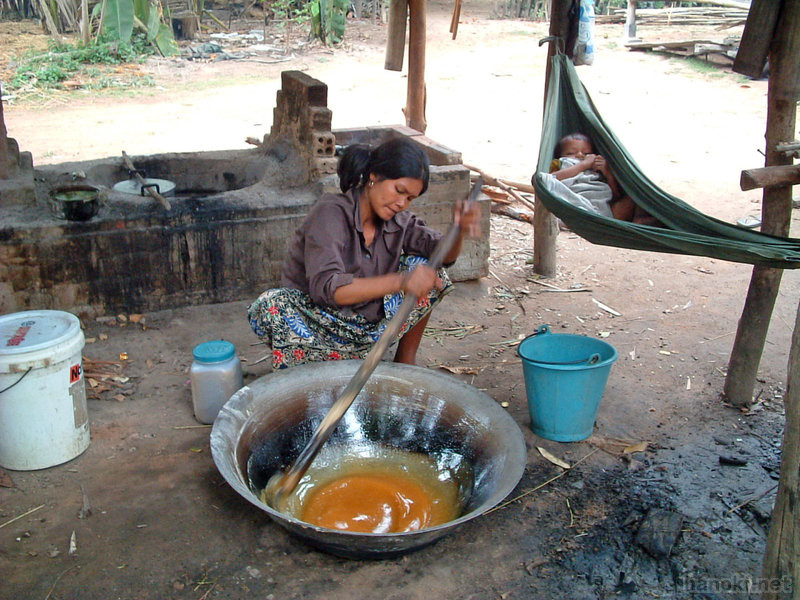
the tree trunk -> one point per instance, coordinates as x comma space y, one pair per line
776, 211
545, 227
629, 33
415, 99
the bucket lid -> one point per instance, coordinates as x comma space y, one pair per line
214, 351
34, 330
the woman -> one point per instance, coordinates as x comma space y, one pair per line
354, 257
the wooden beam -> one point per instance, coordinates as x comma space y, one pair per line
769, 177
415, 98
396, 35
756, 37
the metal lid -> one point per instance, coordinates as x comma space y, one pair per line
30, 331
132, 186
214, 351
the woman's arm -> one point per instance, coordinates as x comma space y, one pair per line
420, 281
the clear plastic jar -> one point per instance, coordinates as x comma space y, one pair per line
216, 374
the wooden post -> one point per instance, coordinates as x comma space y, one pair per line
85, 29
545, 226
782, 557
629, 33
776, 212
4, 167
415, 99
396, 35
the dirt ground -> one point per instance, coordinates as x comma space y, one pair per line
163, 522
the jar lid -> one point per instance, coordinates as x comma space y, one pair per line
214, 351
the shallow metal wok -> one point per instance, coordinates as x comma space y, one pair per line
265, 425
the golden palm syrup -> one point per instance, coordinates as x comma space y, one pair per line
392, 492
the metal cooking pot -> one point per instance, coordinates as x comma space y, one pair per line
265, 425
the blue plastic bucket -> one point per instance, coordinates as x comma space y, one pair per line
565, 377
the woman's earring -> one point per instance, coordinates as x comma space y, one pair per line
371, 182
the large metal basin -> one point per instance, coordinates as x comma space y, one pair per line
265, 425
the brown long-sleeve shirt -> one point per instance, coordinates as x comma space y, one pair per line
328, 250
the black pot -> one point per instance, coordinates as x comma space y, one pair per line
77, 202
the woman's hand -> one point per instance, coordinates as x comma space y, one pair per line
420, 281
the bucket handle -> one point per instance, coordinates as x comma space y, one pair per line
593, 359
5, 389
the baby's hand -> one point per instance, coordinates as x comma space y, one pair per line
600, 164
588, 161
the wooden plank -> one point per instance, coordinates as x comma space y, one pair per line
757, 37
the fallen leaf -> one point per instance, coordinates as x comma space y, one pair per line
553, 459
73, 544
122, 318
120, 398
135, 318
5, 479
103, 337
123, 356
196, 449
91, 340
640, 447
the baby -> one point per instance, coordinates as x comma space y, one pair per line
592, 182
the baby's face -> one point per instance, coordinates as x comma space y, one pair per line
576, 148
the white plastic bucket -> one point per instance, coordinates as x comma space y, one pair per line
43, 415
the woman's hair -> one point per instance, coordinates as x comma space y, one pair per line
572, 136
394, 159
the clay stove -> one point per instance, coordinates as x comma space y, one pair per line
225, 234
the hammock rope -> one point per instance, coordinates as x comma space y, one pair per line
568, 108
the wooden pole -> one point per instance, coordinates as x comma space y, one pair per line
415, 99
783, 92
4, 166
396, 35
545, 226
782, 557
143, 182
85, 30
769, 177
629, 33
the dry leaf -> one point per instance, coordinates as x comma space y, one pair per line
5, 480
553, 459
92, 382
123, 356
122, 318
120, 398
135, 318
91, 340
73, 544
640, 447
103, 337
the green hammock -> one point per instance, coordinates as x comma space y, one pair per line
568, 108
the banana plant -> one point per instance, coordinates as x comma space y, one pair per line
118, 18
328, 19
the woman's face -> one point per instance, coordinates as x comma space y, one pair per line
387, 197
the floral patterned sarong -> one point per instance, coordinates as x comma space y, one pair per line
300, 331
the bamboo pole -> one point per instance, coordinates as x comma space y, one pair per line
415, 99
545, 226
783, 92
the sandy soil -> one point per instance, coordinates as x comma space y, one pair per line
165, 524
